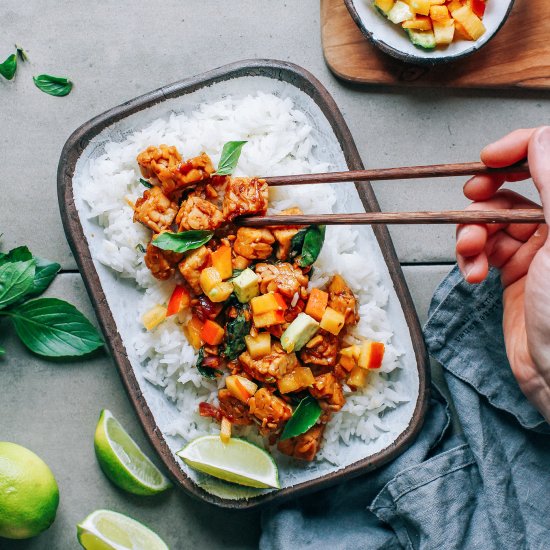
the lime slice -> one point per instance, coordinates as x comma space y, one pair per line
123, 462
106, 530
237, 461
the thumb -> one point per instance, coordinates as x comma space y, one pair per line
539, 165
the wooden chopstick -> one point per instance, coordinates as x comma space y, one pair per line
406, 172
533, 215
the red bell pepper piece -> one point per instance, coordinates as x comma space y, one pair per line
180, 299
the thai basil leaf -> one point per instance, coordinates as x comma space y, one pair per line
184, 241
44, 274
19, 254
145, 183
297, 242
45, 271
54, 328
21, 53
8, 68
305, 416
207, 372
230, 157
313, 242
16, 279
236, 330
53, 85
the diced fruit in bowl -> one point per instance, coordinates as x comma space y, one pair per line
299, 379
258, 346
432, 23
240, 387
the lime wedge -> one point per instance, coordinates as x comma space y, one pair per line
106, 530
237, 461
123, 462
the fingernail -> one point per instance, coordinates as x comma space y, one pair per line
467, 269
543, 140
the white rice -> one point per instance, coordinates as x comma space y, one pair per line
279, 142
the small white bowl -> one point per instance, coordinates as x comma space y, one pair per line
393, 40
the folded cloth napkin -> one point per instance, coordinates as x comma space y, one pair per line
488, 488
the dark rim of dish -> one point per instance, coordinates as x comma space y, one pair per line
413, 59
303, 80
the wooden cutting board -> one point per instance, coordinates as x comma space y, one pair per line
518, 56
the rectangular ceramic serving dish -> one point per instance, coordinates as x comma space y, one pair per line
112, 299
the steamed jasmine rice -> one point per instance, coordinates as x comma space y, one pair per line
279, 142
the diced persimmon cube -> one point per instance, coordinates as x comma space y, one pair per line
470, 21
372, 354
240, 387
454, 5
212, 333
221, 261
209, 278
351, 351
384, 5
332, 321
421, 7
317, 303
299, 379
266, 303
420, 22
193, 332
258, 346
269, 318
444, 31
357, 378
348, 363
439, 13
221, 292
460, 32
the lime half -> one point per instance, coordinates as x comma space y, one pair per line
123, 462
237, 461
106, 530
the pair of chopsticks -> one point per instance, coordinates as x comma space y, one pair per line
533, 215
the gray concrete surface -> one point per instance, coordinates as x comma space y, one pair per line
114, 51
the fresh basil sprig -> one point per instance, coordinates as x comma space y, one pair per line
8, 68
307, 244
184, 241
53, 328
53, 85
305, 416
47, 326
235, 343
230, 157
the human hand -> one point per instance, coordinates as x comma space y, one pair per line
522, 254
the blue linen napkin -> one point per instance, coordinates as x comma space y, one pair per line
488, 488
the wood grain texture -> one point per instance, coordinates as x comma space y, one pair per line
399, 173
534, 215
517, 57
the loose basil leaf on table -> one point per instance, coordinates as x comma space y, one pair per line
207, 372
230, 157
8, 68
53, 328
16, 280
45, 271
236, 330
145, 183
53, 85
305, 416
23, 55
184, 241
